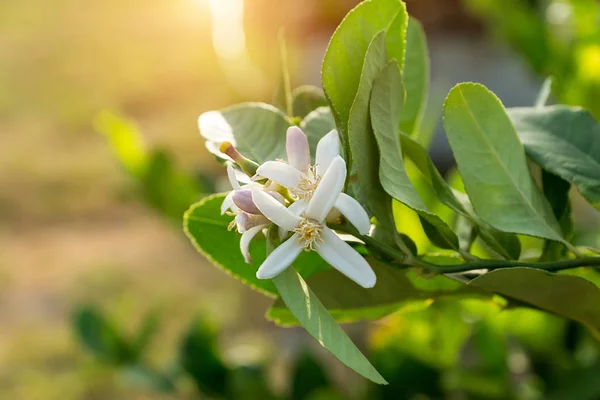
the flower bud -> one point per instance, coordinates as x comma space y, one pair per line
298, 151
248, 166
243, 199
246, 221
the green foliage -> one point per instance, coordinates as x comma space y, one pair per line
565, 141
308, 377
313, 316
306, 99
492, 163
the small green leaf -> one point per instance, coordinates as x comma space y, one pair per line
505, 244
257, 130
492, 163
415, 76
344, 58
387, 100
307, 308
146, 332
317, 124
565, 295
565, 141
207, 229
347, 302
307, 98
200, 358
362, 140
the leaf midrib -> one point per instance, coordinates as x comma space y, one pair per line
497, 157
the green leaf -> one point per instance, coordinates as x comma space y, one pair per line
307, 308
207, 229
492, 163
415, 76
569, 296
100, 337
556, 190
565, 141
362, 140
125, 140
257, 130
505, 244
348, 302
199, 357
344, 58
317, 124
308, 377
307, 98
386, 106
146, 332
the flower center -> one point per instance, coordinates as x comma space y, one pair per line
309, 234
308, 184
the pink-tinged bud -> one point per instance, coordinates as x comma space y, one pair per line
298, 151
243, 199
247, 221
248, 166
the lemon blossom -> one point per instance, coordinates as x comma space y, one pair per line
302, 179
310, 232
249, 221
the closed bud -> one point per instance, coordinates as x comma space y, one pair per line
248, 166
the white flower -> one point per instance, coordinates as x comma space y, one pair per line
248, 220
302, 179
310, 230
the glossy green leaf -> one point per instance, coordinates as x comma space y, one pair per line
565, 295
415, 74
207, 229
387, 100
362, 140
257, 130
313, 316
556, 190
317, 124
505, 244
492, 163
344, 58
565, 141
348, 302
307, 98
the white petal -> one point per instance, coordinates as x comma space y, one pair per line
280, 258
245, 241
296, 208
227, 202
274, 210
345, 259
280, 172
327, 149
232, 178
328, 191
298, 152
353, 211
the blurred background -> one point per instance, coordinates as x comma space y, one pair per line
74, 230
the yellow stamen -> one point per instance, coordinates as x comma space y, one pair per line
308, 184
309, 234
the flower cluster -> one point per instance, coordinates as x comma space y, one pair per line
300, 198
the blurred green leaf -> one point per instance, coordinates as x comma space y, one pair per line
257, 130
307, 98
249, 382
492, 163
345, 55
207, 229
317, 124
308, 376
307, 308
568, 296
415, 76
386, 105
565, 141
125, 140
147, 378
201, 359
505, 244
101, 338
146, 332
348, 302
